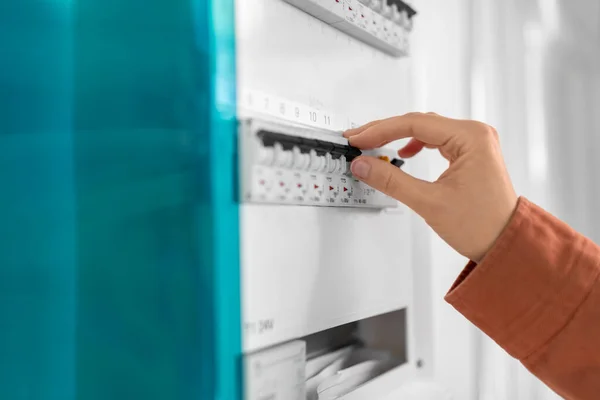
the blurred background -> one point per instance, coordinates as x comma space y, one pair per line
531, 69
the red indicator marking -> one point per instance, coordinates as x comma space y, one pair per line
281, 184
330, 187
299, 185
316, 186
345, 189
350, 8
262, 182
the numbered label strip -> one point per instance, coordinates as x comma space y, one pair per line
253, 103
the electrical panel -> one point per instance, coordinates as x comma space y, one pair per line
385, 24
284, 164
326, 260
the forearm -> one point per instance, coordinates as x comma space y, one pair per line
537, 294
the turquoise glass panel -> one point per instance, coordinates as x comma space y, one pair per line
119, 275
37, 202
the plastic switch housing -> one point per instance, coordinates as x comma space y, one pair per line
286, 164
383, 24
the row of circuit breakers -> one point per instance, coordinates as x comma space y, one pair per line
384, 24
283, 164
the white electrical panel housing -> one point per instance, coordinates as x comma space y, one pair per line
385, 24
321, 253
276, 373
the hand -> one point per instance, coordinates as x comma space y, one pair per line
469, 205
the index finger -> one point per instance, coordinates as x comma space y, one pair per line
430, 129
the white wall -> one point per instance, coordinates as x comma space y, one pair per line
441, 51
531, 69
535, 66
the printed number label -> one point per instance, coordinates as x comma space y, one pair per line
259, 327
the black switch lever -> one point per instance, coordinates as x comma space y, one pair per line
398, 162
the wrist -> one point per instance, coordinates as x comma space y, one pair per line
503, 219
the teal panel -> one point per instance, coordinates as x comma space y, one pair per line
223, 178
119, 251
37, 202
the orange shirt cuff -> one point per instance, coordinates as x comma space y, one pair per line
529, 284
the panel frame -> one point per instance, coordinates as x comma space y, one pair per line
223, 270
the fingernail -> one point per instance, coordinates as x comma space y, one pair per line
360, 169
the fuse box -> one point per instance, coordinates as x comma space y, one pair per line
292, 165
325, 259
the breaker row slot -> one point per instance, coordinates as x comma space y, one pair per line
320, 147
305, 145
304, 168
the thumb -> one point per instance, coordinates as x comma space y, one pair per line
392, 181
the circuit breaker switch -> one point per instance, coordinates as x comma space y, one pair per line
376, 5
266, 155
398, 162
343, 165
315, 161
326, 147
279, 154
339, 151
298, 158
352, 153
324, 164
386, 10
330, 163
309, 145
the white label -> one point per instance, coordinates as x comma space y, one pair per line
364, 17
279, 108
351, 11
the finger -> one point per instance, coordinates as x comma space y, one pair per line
429, 129
356, 131
411, 149
394, 182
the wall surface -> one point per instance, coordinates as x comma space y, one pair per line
442, 85
535, 79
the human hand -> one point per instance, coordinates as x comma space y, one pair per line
469, 205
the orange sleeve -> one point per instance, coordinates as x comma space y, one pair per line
537, 294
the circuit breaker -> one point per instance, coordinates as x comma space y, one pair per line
283, 164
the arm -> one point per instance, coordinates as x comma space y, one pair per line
537, 294
533, 283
